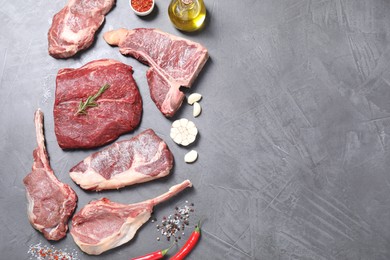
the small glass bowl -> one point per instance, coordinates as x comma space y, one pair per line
142, 13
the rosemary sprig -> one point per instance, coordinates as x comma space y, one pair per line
91, 101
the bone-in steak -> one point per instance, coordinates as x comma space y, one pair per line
73, 28
102, 224
143, 158
173, 62
119, 108
50, 202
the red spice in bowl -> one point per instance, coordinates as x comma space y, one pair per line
142, 7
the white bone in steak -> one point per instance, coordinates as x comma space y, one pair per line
119, 108
102, 224
73, 28
143, 158
173, 61
50, 202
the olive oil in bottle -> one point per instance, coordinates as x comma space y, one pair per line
187, 15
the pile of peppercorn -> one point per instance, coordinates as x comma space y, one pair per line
172, 226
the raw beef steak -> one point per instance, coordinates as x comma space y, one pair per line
142, 158
173, 61
50, 202
119, 108
73, 28
102, 224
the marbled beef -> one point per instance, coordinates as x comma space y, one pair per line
143, 158
173, 61
50, 202
102, 224
73, 28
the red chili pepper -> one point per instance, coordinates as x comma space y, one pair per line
154, 255
189, 245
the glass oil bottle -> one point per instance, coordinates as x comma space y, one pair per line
187, 15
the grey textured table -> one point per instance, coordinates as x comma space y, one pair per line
294, 136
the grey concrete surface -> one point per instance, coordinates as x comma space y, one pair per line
294, 135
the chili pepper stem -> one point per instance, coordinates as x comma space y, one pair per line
165, 251
159, 254
199, 225
189, 245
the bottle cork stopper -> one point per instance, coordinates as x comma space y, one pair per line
187, 2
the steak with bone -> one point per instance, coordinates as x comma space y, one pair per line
50, 202
102, 224
143, 158
173, 61
74, 27
118, 110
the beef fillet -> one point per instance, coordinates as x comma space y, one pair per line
118, 109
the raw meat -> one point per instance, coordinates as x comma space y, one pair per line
74, 27
102, 224
50, 202
119, 108
173, 61
142, 158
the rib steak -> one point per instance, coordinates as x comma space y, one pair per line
102, 224
173, 61
142, 158
119, 108
50, 202
74, 27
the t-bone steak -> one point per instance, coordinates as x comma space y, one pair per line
143, 158
119, 108
173, 61
50, 202
73, 28
102, 224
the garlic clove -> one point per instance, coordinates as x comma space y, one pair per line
191, 138
176, 124
185, 142
174, 131
194, 97
191, 156
193, 131
197, 109
183, 122
178, 139
190, 124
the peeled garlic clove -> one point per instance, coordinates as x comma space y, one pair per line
178, 139
190, 139
190, 124
191, 156
194, 97
197, 109
193, 131
176, 124
174, 132
183, 122
185, 142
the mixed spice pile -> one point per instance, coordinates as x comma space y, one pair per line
43, 252
172, 226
